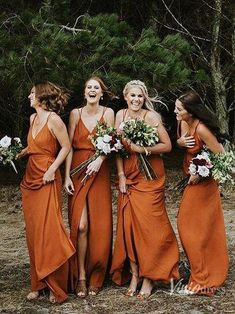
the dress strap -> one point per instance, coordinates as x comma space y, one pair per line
145, 114
48, 117
124, 114
33, 120
105, 108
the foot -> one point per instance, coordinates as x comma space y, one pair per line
131, 291
146, 289
81, 290
93, 290
52, 298
32, 295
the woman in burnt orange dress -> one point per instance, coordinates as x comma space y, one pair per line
146, 246
200, 219
90, 213
48, 243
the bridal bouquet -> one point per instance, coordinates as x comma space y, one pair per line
140, 133
9, 148
105, 140
207, 164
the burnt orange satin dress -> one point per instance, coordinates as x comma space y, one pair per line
201, 229
48, 242
144, 233
96, 192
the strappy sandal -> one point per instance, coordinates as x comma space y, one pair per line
143, 296
33, 295
81, 290
93, 291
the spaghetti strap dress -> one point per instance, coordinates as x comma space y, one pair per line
48, 242
96, 193
201, 228
144, 233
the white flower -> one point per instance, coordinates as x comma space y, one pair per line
192, 169
99, 143
200, 156
106, 148
203, 171
17, 139
5, 142
107, 138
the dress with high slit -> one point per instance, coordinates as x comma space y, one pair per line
95, 192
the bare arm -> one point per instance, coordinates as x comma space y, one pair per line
73, 120
119, 161
209, 139
58, 129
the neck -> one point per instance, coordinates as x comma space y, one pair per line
41, 113
92, 107
135, 114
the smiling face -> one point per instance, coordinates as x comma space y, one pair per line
181, 113
32, 98
135, 98
93, 91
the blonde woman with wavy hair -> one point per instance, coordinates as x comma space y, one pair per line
146, 248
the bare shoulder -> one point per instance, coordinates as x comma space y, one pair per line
153, 117
109, 112
55, 120
120, 114
203, 130
32, 117
74, 113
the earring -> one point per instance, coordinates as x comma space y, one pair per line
101, 97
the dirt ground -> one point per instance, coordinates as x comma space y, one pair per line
15, 281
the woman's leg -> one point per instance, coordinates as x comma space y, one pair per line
134, 279
146, 289
82, 249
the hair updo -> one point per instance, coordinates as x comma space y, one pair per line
51, 97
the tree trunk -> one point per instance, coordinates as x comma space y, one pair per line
216, 72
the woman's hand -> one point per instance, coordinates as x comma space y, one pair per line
136, 148
186, 141
68, 185
122, 183
194, 179
94, 166
49, 176
23, 153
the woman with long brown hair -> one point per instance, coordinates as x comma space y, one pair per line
90, 213
146, 248
48, 145
200, 219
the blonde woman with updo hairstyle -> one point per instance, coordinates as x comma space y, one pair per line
90, 205
146, 248
48, 145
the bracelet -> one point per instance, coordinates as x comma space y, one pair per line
121, 174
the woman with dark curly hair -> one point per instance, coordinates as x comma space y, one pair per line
200, 219
48, 145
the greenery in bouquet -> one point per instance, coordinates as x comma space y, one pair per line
106, 140
142, 134
9, 148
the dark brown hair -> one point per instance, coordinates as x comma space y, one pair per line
193, 103
50, 96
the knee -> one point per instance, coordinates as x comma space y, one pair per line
83, 228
